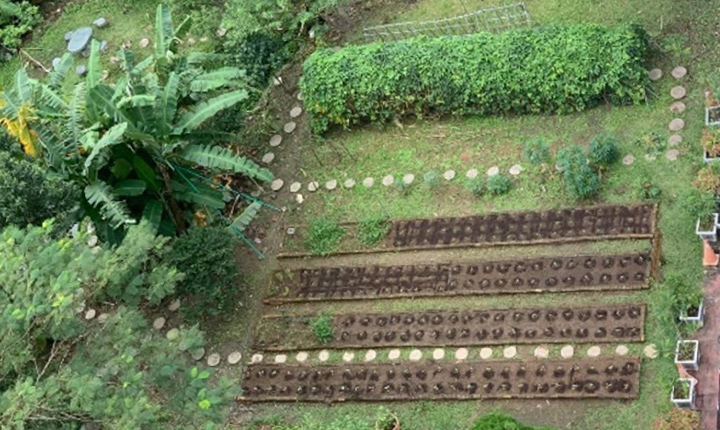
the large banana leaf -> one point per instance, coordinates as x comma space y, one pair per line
146, 173
100, 195
59, 72
163, 30
93, 66
100, 152
153, 213
216, 157
102, 96
204, 196
130, 187
167, 104
246, 217
208, 109
216, 79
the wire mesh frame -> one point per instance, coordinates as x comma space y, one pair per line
494, 20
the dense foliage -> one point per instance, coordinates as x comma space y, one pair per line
323, 236
372, 230
60, 370
498, 184
603, 152
552, 69
498, 421
16, 20
581, 180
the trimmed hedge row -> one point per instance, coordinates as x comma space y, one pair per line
554, 69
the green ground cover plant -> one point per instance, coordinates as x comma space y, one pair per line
324, 236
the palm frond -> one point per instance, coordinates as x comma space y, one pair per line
207, 109
219, 78
76, 111
216, 157
115, 212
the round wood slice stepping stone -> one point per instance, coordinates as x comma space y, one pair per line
295, 112
277, 184
461, 354
197, 353
678, 92
449, 175
234, 357
621, 350
494, 170
348, 357
289, 127
213, 359
485, 353
370, 355
295, 187
674, 139
679, 72
567, 351
515, 170
96, 250
655, 74
92, 241
650, 351
144, 42
415, 355
672, 154
323, 355
368, 182
80, 308
90, 314
593, 351
103, 317
408, 179
174, 305
301, 357
394, 354
677, 124
256, 358
159, 323
300, 97
172, 334
280, 358
558, 167
276, 140
268, 158
510, 352
438, 354
349, 183
313, 186
628, 160
331, 184
471, 174
541, 352
299, 198
388, 180
677, 107
650, 157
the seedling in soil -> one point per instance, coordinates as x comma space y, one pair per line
324, 236
686, 351
322, 328
373, 230
681, 389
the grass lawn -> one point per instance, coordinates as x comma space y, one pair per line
683, 34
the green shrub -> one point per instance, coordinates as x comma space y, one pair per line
550, 69
260, 54
537, 151
372, 230
648, 191
603, 151
699, 203
206, 15
476, 186
322, 328
206, 256
498, 185
16, 20
581, 180
498, 421
323, 236
430, 179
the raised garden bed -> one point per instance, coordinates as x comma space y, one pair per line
578, 273
694, 314
510, 228
706, 228
687, 354
554, 379
610, 323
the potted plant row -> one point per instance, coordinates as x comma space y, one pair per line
683, 393
712, 109
687, 354
710, 141
693, 314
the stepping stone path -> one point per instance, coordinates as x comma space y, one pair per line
172, 334
677, 107
144, 42
388, 180
268, 158
449, 175
289, 127
438, 354
672, 154
461, 354
541, 352
655, 74
348, 357
301, 357
593, 351
299, 198
677, 124
674, 139
650, 351
159, 323
349, 183
277, 184
103, 317
510, 352
213, 359
408, 179
368, 182
81, 70
472, 174
679, 72
234, 357
415, 355
199, 353
331, 184
621, 350
295, 187
295, 112
485, 353
90, 314
101, 22
256, 358
92, 241
678, 92
567, 351
515, 170
175, 305
299, 96
323, 355
628, 160
79, 39
370, 355
276, 140
280, 358
313, 186
494, 170
394, 354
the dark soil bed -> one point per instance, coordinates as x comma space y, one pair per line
578, 273
555, 379
609, 323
